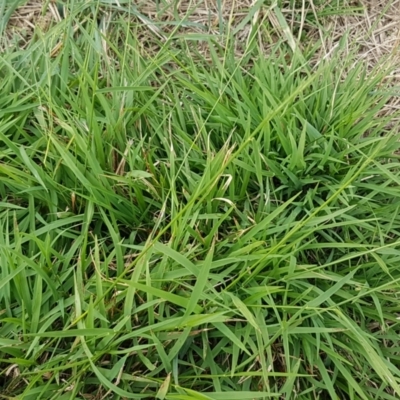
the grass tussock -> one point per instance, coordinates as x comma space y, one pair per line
182, 226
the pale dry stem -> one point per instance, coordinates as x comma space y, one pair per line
373, 33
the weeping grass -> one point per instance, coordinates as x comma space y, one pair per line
175, 228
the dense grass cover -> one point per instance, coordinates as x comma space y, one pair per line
175, 228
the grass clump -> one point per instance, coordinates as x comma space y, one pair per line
176, 229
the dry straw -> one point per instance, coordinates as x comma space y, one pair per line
373, 32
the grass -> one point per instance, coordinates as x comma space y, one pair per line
178, 224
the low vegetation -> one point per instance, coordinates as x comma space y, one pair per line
184, 224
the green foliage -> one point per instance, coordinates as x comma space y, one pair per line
178, 229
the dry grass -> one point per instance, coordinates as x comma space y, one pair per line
35, 14
375, 36
373, 33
